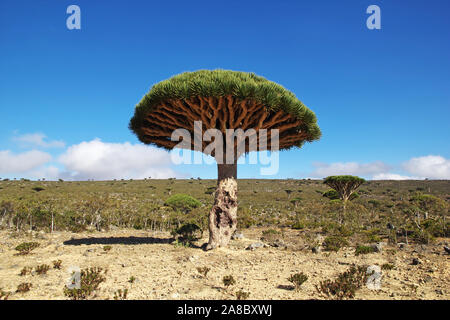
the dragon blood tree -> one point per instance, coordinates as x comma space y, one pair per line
344, 185
227, 101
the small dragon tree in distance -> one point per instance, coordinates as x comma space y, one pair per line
344, 185
223, 100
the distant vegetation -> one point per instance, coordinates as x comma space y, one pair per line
183, 202
384, 209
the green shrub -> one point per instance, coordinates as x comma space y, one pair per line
429, 203
295, 201
334, 195
25, 271
334, 243
57, 264
330, 227
26, 247
269, 232
90, 279
245, 218
298, 225
387, 266
345, 285
42, 269
121, 294
182, 202
374, 203
298, 279
345, 231
361, 249
203, 271
24, 287
422, 236
331, 194
436, 228
228, 281
242, 295
372, 235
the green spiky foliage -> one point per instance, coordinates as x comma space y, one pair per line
182, 202
220, 83
334, 195
428, 203
345, 185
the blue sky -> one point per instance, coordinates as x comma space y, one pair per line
381, 97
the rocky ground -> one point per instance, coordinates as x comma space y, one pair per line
163, 270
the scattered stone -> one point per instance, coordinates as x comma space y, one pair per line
416, 261
278, 244
378, 247
193, 258
374, 279
237, 235
319, 238
255, 245
401, 245
439, 291
447, 249
86, 253
316, 249
390, 226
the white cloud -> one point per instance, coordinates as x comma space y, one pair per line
393, 176
38, 140
353, 168
432, 167
103, 161
11, 163
48, 172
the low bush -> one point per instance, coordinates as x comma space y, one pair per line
42, 269
24, 287
298, 279
182, 202
361, 249
228, 281
334, 243
345, 285
242, 295
57, 264
26, 247
121, 294
203, 271
90, 279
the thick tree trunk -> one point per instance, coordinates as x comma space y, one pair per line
223, 215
